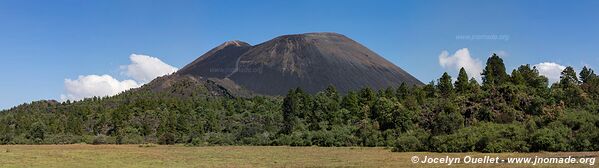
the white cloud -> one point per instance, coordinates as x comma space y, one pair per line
94, 85
459, 59
551, 70
145, 68
142, 69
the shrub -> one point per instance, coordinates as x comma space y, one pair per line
412, 141
486, 137
129, 139
21, 139
296, 138
554, 137
63, 139
103, 139
166, 139
219, 138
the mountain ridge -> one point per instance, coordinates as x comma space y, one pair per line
311, 61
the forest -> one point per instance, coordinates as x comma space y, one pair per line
516, 112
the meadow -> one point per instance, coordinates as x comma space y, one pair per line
81, 155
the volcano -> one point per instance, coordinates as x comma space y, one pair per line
311, 61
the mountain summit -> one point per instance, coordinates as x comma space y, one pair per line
311, 61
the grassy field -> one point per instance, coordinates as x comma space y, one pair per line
236, 156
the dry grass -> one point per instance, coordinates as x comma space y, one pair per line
231, 156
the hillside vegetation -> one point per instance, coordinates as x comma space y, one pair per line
506, 113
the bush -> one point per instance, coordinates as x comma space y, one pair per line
412, 141
219, 138
129, 139
296, 138
407, 143
63, 139
6, 139
586, 138
198, 141
486, 137
21, 139
166, 139
103, 139
554, 137
258, 139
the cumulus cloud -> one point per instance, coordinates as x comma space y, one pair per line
94, 85
459, 59
551, 70
144, 68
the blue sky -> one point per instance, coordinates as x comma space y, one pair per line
42, 43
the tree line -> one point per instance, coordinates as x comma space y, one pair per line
516, 112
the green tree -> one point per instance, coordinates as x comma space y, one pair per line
37, 132
517, 78
587, 74
568, 77
290, 110
430, 90
366, 99
494, 73
448, 120
352, 104
332, 93
474, 86
531, 77
462, 85
383, 112
445, 86
402, 91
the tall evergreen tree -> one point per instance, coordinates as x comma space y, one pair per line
587, 74
332, 93
494, 73
366, 96
430, 89
445, 86
516, 78
402, 91
290, 109
351, 103
474, 86
568, 77
462, 84
531, 76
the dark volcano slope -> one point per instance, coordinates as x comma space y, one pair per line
218, 62
310, 61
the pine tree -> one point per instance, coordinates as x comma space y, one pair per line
351, 103
402, 91
494, 73
430, 89
568, 77
462, 84
474, 86
586, 75
517, 78
445, 86
531, 76
332, 93
290, 104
